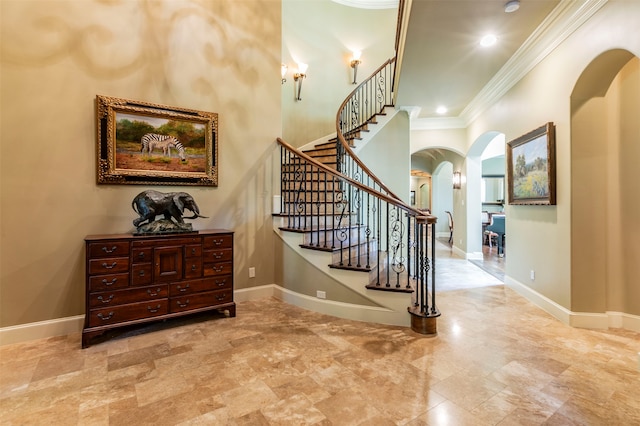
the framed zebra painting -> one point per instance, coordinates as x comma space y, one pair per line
145, 143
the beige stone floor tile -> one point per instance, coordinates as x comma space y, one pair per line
348, 407
496, 360
448, 413
247, 398
296, 410
161, 388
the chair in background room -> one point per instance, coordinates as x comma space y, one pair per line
496, 230
486, 220
450, 226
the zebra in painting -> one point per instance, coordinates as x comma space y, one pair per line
152, 141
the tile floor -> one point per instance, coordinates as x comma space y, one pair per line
497, 359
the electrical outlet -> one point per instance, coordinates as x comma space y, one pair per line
252, 272
532, 275
321, 294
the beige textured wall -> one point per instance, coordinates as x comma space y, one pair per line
221, 56
629, 213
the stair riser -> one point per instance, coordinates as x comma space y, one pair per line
310, 223
334, 238
324, 152
313, 209
310, 186
311, 197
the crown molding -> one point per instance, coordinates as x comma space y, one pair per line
563, 21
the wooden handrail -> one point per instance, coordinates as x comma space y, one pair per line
393, 201
344, 142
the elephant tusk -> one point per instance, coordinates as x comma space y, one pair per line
195, 216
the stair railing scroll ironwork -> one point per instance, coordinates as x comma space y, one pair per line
365, 228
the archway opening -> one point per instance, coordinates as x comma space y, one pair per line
605, 190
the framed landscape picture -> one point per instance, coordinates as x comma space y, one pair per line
531, 168
145, 143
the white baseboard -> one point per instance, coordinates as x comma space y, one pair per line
69, 325
543, 302
600, 321
344, 310
254, 293
41, 330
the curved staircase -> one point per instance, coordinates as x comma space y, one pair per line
362, 235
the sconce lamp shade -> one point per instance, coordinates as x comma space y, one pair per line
297, 77
457, 180
355, 61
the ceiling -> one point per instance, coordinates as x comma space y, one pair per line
442, 57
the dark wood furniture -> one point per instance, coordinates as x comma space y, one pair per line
134, 279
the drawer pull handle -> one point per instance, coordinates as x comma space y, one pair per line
221, 297
217, 255
105, 282
185, 288
218, 268
182, 305
218, 242
107, 250
193, 267
153, 294
104, 265
141, 255
153, 311
193, 251
108, 300
142, 272
221, 283
108, 317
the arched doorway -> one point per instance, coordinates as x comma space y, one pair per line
605, 200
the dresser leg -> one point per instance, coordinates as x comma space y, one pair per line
232, 310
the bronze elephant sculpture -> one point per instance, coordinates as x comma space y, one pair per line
149, 204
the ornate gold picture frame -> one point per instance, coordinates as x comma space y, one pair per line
531, 167
143, 143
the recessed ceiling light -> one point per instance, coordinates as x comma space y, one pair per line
512, 6
488, 40
441, 109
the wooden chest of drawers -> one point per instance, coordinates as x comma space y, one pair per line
133, 279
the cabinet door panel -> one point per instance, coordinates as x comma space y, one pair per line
167, 263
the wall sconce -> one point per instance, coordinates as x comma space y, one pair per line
283, 72
302, 69
457, 180
354, 64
